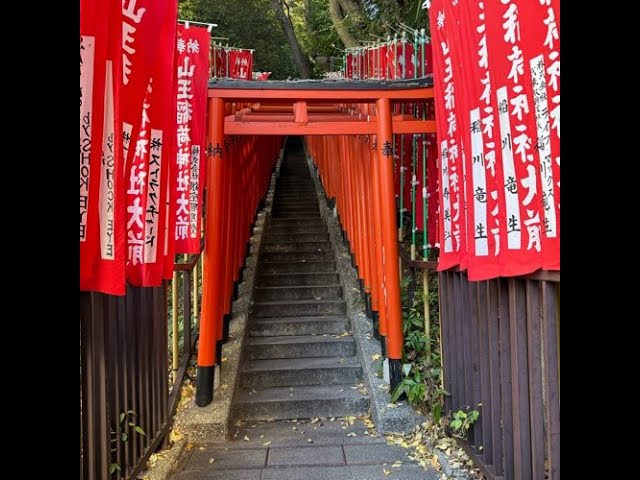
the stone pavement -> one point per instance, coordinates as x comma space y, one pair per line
317, 449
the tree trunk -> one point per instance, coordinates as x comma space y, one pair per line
308, 17
337, 17
298, 55
353, 10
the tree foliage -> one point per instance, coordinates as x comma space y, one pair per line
321, 27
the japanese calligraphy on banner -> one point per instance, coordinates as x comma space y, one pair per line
241, 64
102, 249
497, 96
447, 85
192, 48
148, 128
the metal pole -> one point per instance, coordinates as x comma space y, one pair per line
425, 249
175, 360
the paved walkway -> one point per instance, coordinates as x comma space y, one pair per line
317, 449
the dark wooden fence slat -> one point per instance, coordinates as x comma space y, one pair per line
505, 378
551, 324
475, 399
519, 379
485, 384
494, 376
534, 346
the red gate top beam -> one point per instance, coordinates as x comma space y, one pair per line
317, 107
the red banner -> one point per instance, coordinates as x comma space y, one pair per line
149, 39
446, 84
541, 22
218, 62
391, 67
497, 87
191, 96
102, 252
241, 64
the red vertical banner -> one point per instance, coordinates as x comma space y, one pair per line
446, 85
192, 51
241, 64
218, 62
349, 65
522, 215
391, 60
496, 69
148, 49
477, 107
540, 23
102, 252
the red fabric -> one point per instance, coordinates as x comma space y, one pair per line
241, 64
349, 64
541, 23
406, 67
452, 217
191, 102
523, 219
481, 140
102, 252
501, 73
391, 61
381, 53
219, 62
152, 153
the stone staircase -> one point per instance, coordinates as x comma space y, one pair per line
299, 360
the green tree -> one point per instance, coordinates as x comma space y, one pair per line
247, 24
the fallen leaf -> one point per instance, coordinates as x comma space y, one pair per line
352, 434
266, 444
246, 439
386, 472
211, 460
376, 356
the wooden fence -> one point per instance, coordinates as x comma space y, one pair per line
124, 376
500, 341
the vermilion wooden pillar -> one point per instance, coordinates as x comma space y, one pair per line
211, 314
389, 242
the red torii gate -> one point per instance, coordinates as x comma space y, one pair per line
308, 108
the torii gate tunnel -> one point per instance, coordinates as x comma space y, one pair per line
260, 114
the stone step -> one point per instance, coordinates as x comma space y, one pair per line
297, 214
292, 372
296, 230
300, 247
299, 346
281, 403
299, 308
290, 237
295, 190
293, 197
296, 222
322, 256
272, 268
295, 207
285, 326
296, 292
297, 279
